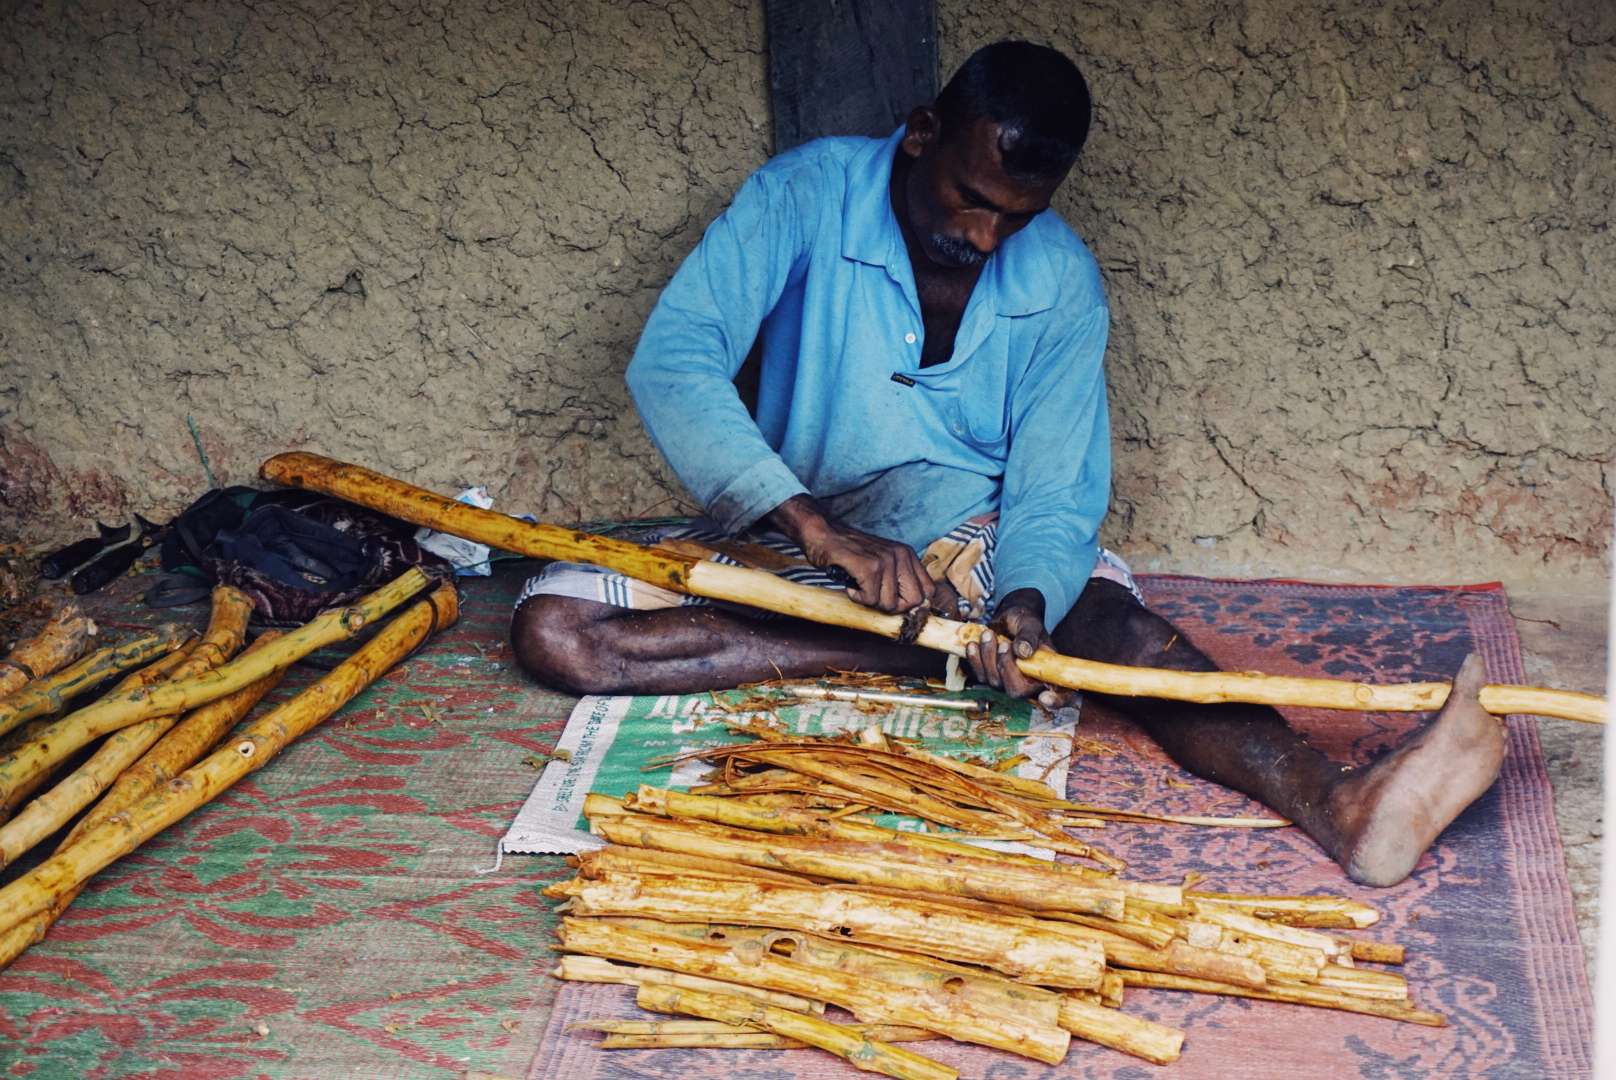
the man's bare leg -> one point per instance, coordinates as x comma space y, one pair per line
586, 647
1375, 821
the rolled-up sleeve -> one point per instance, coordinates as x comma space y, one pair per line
1057, 480
697, 338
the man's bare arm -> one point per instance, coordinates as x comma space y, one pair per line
889, 574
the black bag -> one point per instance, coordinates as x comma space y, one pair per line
296, 553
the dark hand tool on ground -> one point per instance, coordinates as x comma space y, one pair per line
63, 559
115, 563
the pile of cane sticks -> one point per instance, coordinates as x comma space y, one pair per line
752, 907
165, 739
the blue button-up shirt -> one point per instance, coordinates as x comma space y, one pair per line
1014, 421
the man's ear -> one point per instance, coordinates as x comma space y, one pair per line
923, 128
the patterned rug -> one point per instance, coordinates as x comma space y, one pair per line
1486, 916
322, 920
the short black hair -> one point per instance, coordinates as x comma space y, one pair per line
1034, 93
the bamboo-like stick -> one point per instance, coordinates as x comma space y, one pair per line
1021, 948
858, 1049
894, 865
42, 889
870, 1001
158, 671
980, 990
758, 588
226, 632
177, 751
1296, 995
182, 747
44, 815
48, 695
59, 643
117, 711
1156, 1043
595, 970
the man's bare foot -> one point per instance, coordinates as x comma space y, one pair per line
1391, 812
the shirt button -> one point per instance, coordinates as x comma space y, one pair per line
910, 338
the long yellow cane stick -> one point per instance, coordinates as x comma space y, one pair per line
759, 588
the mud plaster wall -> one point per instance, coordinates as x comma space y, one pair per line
1359, 258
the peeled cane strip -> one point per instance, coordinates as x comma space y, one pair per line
1019, 948
1156, 1043
1321, 997
1324, 912
884, 1032
1021, 785
899, 785
736, 1038
48, 695
1178, 957
1240, 923
792, 821
596, 970
739, 1039
857, 1048
117, 711
759, 588
44, 887
57, 644
890, 795
888, 864
644, 860
871, 1001
1361, 982
1374, 952
981, 990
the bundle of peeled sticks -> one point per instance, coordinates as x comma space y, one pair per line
162, 738
754, 907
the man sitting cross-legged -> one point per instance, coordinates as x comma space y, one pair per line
931, 426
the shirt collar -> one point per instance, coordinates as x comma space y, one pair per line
1018, 280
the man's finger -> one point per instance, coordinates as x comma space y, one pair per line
890, 585
973, 659
1057, 697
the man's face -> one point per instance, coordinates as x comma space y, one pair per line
961, 202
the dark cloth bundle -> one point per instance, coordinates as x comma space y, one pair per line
296, 553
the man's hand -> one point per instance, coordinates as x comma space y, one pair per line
888, 575
1017, 631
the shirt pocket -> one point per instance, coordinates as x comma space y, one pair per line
980, 411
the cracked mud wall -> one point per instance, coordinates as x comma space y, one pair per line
1359, 258
1362, 277
422, 237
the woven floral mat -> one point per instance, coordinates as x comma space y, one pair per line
322, 920
1486, 916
